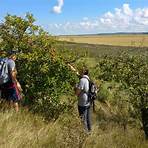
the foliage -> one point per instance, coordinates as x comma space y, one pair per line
129, 70
43, 74
95, 50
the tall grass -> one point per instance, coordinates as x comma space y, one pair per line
26, 130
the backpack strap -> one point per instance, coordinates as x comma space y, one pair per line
2, 65
4, 71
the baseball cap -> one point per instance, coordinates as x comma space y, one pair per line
13, 51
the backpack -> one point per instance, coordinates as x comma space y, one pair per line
4, 76
92, 93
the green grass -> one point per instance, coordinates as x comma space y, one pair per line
27, 130
93, 50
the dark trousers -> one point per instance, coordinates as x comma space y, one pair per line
144, 112
84, 113
9, 92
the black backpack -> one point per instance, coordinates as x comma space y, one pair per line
92, 93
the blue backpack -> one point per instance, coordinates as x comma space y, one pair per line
4, 73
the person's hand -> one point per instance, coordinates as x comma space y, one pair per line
19, 86
73, 69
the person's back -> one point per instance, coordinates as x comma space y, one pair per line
7, 80
84, 87
10, 90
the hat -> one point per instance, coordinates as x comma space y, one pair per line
13, 51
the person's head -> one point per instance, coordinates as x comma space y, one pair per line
84, 71
12, 54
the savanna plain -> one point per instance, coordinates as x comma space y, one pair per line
114, 123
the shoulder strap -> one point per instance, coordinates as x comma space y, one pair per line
3, 61
86, 78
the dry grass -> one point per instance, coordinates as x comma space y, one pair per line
25, 130
118, 40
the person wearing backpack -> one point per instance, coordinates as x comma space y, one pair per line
9, 86
82, 90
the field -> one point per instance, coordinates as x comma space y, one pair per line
136, 40
26, 130
48, 115
96, 50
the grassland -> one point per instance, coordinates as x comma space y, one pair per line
96, 50
25, 130
136, 40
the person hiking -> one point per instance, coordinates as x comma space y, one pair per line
81, 91
10, 87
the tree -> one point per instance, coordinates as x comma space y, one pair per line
131, 71
44, 76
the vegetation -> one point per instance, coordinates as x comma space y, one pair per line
43, 75
97, 51
48, 82
136, 40
25, 130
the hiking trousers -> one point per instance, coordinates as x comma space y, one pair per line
84, 113
9, 92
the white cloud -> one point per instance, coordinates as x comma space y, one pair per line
127, 10
58, 8
125, 19
122, 19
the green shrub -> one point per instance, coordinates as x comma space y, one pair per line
131, 72
43, 74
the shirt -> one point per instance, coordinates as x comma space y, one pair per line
84, 87
11, 66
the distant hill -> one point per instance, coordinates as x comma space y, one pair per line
131, 33
115, 33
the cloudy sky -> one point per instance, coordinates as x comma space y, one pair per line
82, 16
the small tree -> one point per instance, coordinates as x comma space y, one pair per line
132, 73
43, 75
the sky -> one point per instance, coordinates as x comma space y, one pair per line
70, 17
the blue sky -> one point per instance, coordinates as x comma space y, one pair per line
82, 16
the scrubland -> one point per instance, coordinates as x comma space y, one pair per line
48, 117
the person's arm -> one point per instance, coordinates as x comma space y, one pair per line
77, 92
14, 79
73, 69
13, 73
80, 87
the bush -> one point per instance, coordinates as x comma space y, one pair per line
131, 72
43, 74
